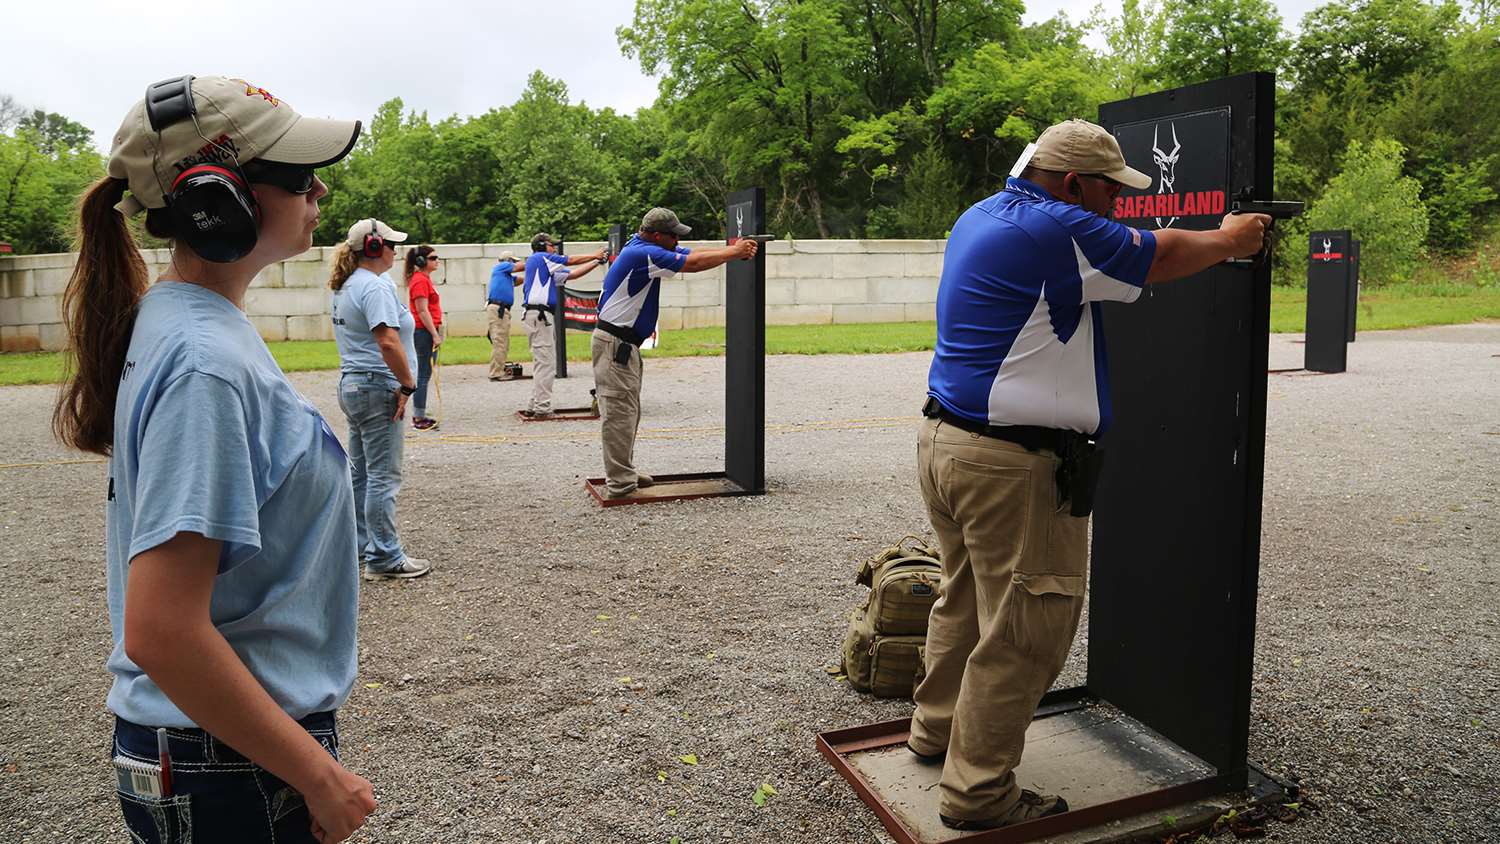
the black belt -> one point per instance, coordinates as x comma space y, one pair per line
542, 311
1079, 459
1030, 437
627, 334
503, 305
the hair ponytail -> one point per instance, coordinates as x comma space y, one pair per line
99, 308
345, 262
411, 259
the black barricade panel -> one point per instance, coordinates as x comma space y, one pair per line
745, 346
1176, 533
1328, 300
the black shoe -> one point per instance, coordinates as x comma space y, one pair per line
928, 758
1030, 807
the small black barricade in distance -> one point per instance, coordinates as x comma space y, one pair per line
616, 241
1330, 288
744, 376
1177, 516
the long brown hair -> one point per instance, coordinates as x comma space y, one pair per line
345, 262
411, 259
99, 307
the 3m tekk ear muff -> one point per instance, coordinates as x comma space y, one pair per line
212, 207
374, 243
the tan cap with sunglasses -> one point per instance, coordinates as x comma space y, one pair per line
1079, 146
235, 122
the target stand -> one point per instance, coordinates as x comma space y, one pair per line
565, 414
744, 380
1162, 723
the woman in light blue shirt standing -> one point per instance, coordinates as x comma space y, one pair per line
374, 333
229, 524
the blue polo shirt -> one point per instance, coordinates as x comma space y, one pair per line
1020, 336
502, 287
545, 272
632, 287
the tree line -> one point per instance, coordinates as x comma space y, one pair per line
886, 118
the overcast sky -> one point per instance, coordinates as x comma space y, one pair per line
90, 59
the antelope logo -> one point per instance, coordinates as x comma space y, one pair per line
1327, 250
1166, 163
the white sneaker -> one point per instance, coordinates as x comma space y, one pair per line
408, 567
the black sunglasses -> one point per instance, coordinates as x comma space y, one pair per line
292, 178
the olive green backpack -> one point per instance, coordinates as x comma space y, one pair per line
884, 647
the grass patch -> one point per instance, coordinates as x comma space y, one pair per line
1397, 306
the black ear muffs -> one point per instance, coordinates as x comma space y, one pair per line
419, 261
212, 208
214, 212
374, 243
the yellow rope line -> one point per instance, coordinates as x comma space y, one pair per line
679, 433
52, 463
676, 433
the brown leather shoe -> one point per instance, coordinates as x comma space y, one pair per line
1030, 807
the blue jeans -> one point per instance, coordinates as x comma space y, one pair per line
217, 794
422, 339
376, 442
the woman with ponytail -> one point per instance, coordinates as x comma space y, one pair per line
420, 262
230, 534
373, 330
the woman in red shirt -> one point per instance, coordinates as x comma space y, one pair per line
420, 262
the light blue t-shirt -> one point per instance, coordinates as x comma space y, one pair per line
365, 302
211, 438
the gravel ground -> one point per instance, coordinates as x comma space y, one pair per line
561, 656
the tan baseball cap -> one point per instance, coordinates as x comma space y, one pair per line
1083, 147
233, 120
369, 227
508, 255
664, 220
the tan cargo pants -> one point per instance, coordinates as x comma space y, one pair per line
619, 390
543, 361
499, 339
1014, 575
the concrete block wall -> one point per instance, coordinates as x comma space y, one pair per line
807, 282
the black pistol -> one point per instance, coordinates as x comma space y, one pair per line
1245, 203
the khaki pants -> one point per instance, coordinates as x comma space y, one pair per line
499, 339
619, 390
1014, 575
543, 363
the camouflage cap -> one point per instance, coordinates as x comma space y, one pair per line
665, 221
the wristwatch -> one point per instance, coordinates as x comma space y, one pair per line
406, 391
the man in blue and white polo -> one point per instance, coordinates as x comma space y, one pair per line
546, 271
627, 316
1018, 386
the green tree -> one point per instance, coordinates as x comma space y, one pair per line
1380, 40
762, 85
45, 163
1207, 39
1136, 40
1380, 206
